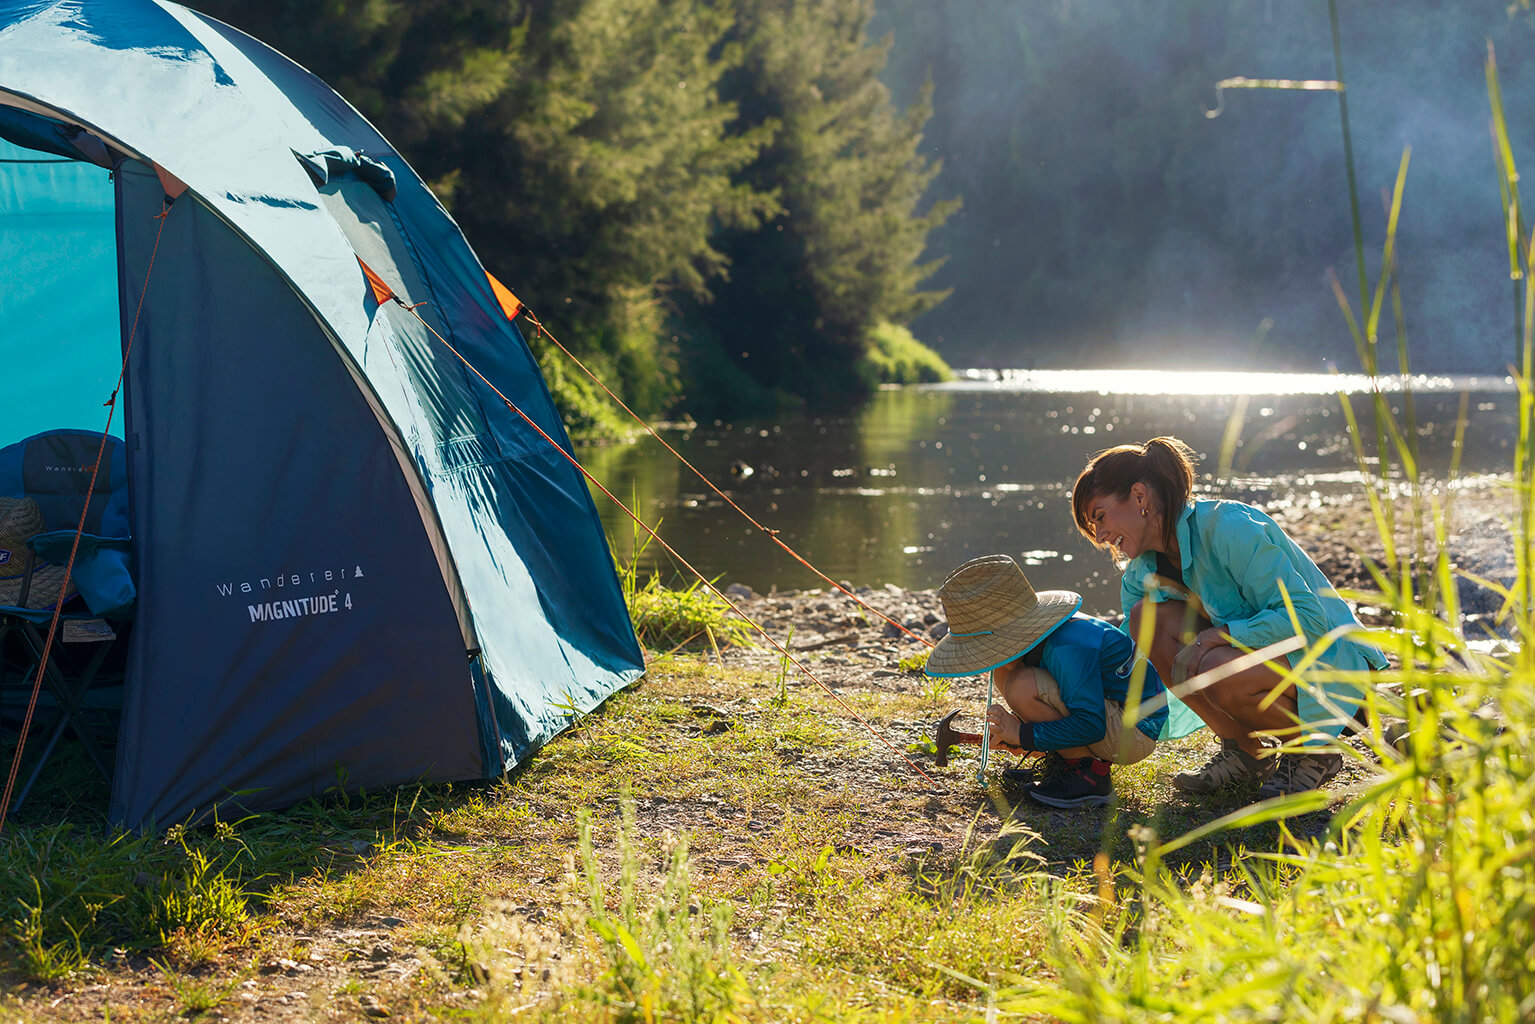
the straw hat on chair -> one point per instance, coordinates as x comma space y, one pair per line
20, 521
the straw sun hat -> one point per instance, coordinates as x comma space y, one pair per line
20, 521
994, 616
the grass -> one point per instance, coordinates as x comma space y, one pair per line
668, 618
654, 867
808, 848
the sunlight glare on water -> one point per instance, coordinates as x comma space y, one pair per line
1206, 382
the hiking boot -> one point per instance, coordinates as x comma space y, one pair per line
1077, 784
1231, 766
1040, 769
1300, 773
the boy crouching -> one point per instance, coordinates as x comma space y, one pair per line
1065, 677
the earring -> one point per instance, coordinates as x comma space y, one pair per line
1143, 513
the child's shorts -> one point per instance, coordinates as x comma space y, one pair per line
1119, 745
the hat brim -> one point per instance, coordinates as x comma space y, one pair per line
972, 654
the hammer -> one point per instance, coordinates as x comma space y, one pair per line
950, 736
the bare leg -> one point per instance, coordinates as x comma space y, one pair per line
1229, 707
1015, 681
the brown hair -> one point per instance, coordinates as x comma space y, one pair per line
1164, 464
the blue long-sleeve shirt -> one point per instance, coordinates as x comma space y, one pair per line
1091, 660
1241, 564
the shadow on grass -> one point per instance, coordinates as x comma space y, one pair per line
1064, 841
77, 890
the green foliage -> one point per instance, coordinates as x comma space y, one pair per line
843, 255
666, 618
600, 158
610, 150
895, 356
916, 661
76, 894
716, 386
672, 961
197, 995
588, 413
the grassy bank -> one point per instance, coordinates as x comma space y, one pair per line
719, 838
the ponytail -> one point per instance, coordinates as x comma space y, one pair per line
1164, 464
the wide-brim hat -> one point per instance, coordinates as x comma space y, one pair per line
20, 521
995, 615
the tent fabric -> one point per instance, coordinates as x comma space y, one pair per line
58, 249
354, 562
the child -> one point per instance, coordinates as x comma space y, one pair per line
1065, 676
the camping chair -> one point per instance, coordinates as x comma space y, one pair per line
43, 488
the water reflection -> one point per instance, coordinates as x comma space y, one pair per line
923, 478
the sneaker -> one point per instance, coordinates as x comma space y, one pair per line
1300, 773
1075, 785
1039, 769
1231, 766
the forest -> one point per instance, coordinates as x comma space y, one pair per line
745, 207
713, 203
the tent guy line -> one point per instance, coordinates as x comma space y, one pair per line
539, 326
801, 666
69, 567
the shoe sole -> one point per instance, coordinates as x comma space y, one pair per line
1233, 786
1092, 800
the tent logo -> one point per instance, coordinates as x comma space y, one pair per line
67, 469
298, 608
5, 556
289, 579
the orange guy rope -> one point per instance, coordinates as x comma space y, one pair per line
771, 533
58, 608
669, 549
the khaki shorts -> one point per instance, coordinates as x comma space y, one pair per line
1119, 745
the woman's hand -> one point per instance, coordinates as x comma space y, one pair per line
1186, 662
1005, 728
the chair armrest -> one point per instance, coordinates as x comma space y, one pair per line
103, 572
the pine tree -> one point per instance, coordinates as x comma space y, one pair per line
581, 145
601, 176
806, 289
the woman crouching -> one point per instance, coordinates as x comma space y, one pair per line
1217, 574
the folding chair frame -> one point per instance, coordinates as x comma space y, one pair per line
68, 696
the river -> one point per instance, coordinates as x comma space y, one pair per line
922, 478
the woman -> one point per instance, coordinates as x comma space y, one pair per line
1215, 575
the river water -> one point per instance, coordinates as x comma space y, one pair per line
923, 478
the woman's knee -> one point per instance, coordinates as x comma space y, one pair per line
1258, 697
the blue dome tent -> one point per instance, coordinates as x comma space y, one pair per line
352, 560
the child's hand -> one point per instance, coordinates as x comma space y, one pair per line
1004, 727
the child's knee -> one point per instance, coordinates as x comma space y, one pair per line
1028, 699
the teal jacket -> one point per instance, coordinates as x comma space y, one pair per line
1235, 559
